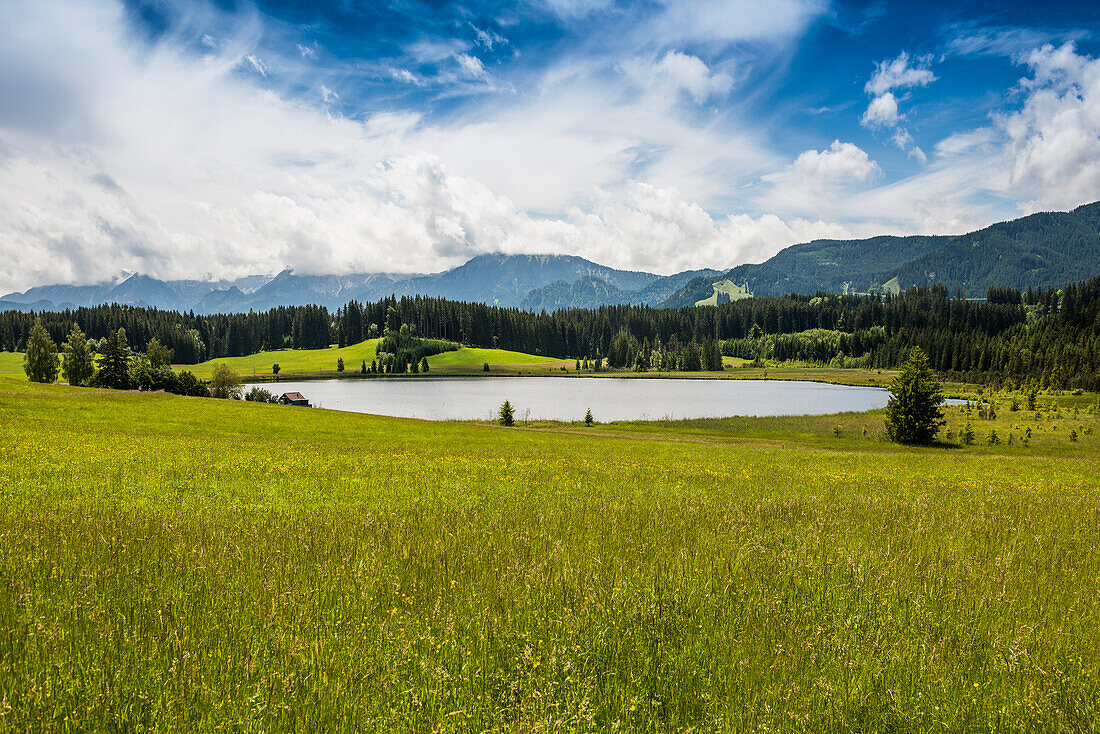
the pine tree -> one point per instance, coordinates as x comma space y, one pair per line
41, 361
588, 419
78, 366
424, 364
507, 414
114, 363
913, 414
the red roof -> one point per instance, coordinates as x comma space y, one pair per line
294, 396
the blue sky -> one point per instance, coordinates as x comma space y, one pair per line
215, 138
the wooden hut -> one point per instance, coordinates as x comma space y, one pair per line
293, 398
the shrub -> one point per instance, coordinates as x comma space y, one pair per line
225, 383
258, 394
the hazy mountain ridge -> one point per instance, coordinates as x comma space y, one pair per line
1041, 250
504, 280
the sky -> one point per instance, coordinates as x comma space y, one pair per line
214, 139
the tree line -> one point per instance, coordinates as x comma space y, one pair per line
1046, 336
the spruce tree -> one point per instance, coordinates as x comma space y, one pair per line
78, 366
41, 360
114, 364
506, 414
913, 414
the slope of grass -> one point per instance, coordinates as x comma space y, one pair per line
182, 564
292, 360
11, 365
729, 288
319, 361
475, 357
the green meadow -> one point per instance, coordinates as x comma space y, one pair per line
187, 564
11, 365
320, 362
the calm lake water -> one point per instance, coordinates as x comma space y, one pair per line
560, 398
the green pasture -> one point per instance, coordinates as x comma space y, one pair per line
11, 365
187, 564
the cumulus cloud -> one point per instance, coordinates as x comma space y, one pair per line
156, 161
898, 73
839, 162
678, 72
881, 112
1054, 139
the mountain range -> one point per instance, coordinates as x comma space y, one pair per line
1044, 250
1041, 250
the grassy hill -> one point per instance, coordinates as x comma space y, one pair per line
184, 564
291, 360
724, 292
296, 361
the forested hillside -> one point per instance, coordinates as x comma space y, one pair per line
1043, 250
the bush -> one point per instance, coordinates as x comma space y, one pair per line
187, 384
225, 383
258, 394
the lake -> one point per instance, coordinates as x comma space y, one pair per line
567, 398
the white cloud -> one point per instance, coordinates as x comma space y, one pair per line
406, 77
730, 20
307, 52
899, 74
679, 72
1054, 139
471, 66
839, 162
571, 9
214, 176
257, 64
881, 112
487, 37
327, 95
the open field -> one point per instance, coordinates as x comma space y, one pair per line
11, 365
291, 360
184, 564
322, 362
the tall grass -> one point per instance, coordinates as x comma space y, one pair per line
179, 564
